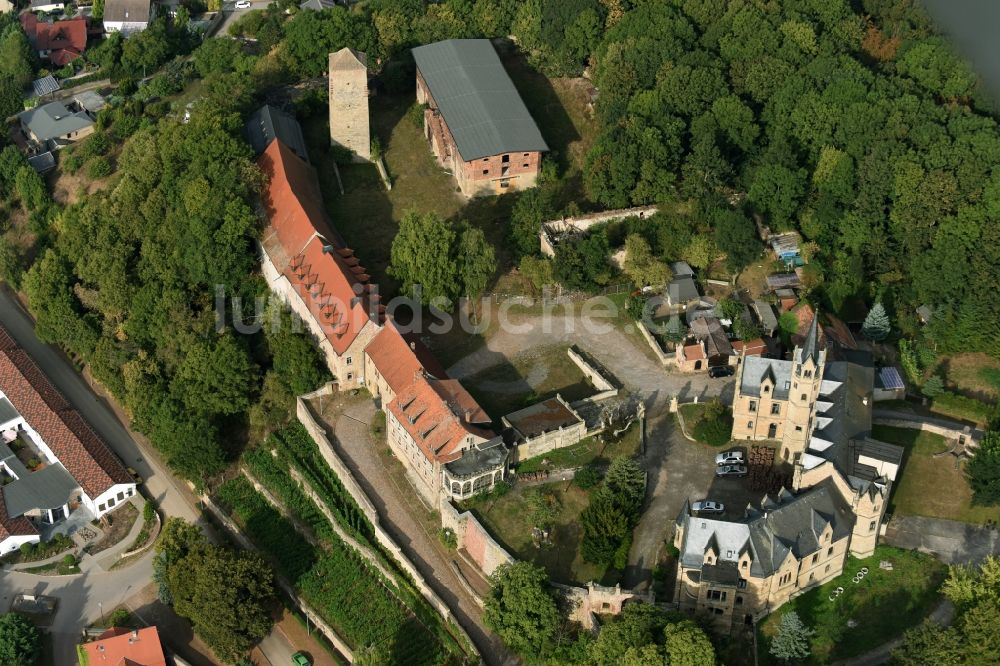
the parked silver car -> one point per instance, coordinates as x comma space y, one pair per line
731, 470
708, 506
731, 457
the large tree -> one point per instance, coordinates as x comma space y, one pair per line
791, 643
20, 641
983, 471
520, 608
422, 257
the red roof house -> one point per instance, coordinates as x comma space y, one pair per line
124, 647
59, 42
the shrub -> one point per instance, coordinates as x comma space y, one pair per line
72, 163
933, 387
26, 549
98, 167
961, 407
447, 536
587, 477
120, 618
148, 511
69, 560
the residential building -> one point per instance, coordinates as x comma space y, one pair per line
52, 462
90, 101
58, 42
127, 16
124, 647
735, 572
755, 347
820, 411
46, 6
766, 317
269, 123
54, 126
710, 332
310, 268
682, 291
348, 96
544, 426
393, 358
476, 122
690, 356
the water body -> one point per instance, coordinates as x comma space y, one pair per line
972, 27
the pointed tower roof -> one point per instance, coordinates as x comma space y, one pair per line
811, 344
684, 513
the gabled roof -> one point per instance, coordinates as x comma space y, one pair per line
125, 647
709, 330
542, 417
438, 415
78, 448
477, 99
302, 245
126, 11
756, 368
398, 357
269, 123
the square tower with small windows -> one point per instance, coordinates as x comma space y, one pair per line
349, 124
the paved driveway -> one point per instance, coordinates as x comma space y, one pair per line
618, 352
397, 509
950, 541
678, 470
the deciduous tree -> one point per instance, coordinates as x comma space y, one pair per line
520, 608
20, 641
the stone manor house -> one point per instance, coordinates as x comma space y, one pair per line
819, 411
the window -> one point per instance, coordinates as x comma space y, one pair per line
350, 376
111, 502
767, 389
486, 172
829, 551
121, 496
808, 373
504, 184
871, 526
505, 159
718, 611
753, 405
784, 579
526, 154
828, 568
486, 159
526, 165
348, 360
739, 600
775, 408
716, 595
741, 584
815, 557
803, 396
101, 507
812, 577
744, 564
750, 426
798, 428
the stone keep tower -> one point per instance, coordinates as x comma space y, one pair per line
808, 363
349, 102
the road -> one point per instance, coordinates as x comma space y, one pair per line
82, 598
232, 15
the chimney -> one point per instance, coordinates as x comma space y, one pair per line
413, 346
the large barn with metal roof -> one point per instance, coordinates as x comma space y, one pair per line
475, 120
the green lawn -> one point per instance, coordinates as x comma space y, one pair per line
507, 519
884, 604
716, 433
929, 486
586, 451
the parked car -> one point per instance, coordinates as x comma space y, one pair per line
731, 470
299, 658
242, 4
721, 371
730, 457
708, 506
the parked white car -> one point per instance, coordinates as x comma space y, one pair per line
731, 457
242, 4
708, 506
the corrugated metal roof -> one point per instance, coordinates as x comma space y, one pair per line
477, 99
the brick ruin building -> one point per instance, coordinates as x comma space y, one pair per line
476, 122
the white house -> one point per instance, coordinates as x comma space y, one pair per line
51, 462
127, 16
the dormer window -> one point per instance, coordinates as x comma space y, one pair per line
753, 405
767, 389
808, 374
744, 564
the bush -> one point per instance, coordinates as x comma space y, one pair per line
933, 387
26, 549
587, 477
98, 167
961, 407
447, 536
715, 426
120, 618
69, 560
148, 511
72, 163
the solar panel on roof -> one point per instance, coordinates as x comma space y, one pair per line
891, 379
45, 85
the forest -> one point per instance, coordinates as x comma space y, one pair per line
858, 126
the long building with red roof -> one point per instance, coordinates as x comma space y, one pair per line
433, 424
307, 264
70, 465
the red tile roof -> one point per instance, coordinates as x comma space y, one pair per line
123, 647
86, 456
755, 347
398, 357
302, 244
439, 415
693, 352
66, 40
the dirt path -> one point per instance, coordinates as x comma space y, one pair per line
618, 352
399, 510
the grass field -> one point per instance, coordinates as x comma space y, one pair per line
588, 450
974, 375
883, 605
526, 379
930, 486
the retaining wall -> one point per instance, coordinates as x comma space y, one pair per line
583, 222
351, 485
484, 551
314, 617
944, 431
600, 382
662, 356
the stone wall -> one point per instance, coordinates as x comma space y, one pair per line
550, 441
351, 485
473, 537
661, 355
314, 617
954, 432
600, 382
554, 228
348, 98
586, 603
